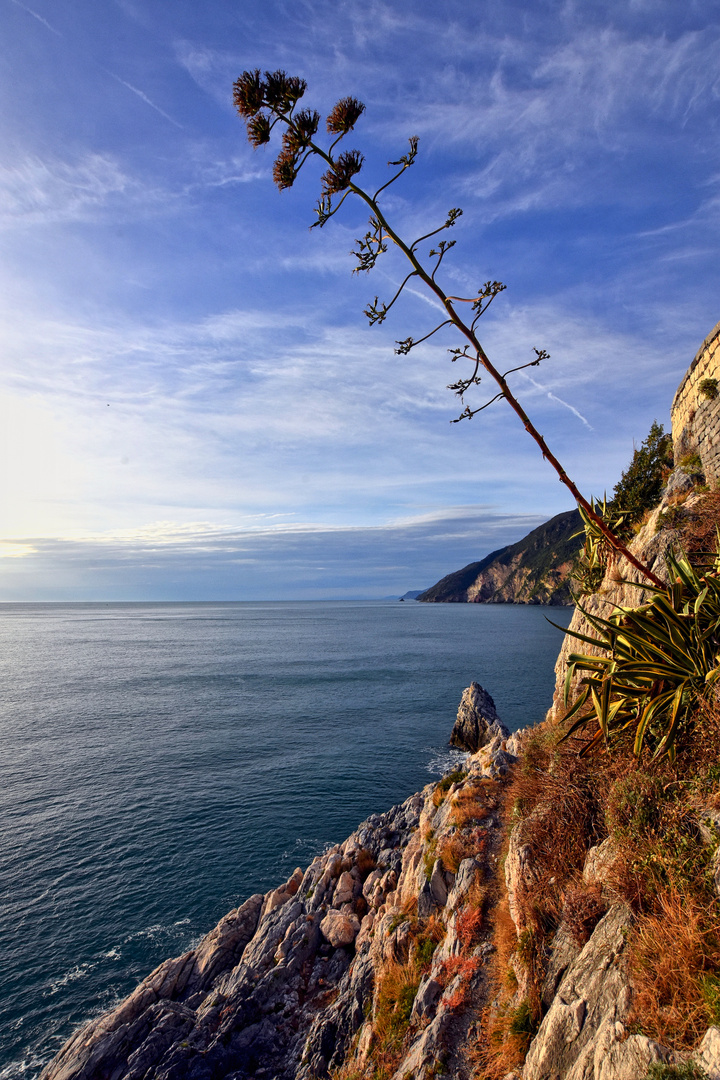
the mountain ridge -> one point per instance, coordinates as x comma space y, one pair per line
533, 570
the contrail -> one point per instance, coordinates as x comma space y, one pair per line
139, 93
554, 397
38, 17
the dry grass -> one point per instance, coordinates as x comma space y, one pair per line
445, 784
350, 1070
698, 534
559, 799
583, 908
463, 844
471, 919
365, 862
460, 970
501, 1048
675, 968
473, 803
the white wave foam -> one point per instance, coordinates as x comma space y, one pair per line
80, 971
442, 760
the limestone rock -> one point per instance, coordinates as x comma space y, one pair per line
492, 760
243, 1002
340, 929
599, 861
438, 887
344, 890
626, 1057
520, 874
592, 1000
467, 875
708, 1054
477, 720
563, 951
427, 997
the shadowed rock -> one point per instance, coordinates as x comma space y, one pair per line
477, 720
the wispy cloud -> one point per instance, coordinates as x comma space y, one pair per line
40, 192
554, 397
283, 561
179, 348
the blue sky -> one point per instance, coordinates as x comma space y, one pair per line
192, 405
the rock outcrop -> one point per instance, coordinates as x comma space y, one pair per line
288, 984
477, 720
282, 978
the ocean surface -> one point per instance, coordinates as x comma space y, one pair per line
162, 762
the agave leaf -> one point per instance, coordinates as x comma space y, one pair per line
671, 732
589, 747
582, 698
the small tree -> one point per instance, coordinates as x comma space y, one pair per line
265, 101
638, 490
640, 486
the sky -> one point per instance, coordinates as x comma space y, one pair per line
192, 404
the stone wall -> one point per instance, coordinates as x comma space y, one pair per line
695, 417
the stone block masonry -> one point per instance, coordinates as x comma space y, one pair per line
696, 417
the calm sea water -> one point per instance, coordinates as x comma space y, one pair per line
162, 762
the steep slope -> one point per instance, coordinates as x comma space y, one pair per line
535, 570
484, 923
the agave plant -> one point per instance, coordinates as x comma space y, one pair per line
596, 554
659, 660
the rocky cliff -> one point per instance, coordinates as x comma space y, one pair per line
534, 915
423, 946
535, 570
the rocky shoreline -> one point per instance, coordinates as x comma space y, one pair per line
381, 959
283, 986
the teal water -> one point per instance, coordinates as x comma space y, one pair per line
162, 762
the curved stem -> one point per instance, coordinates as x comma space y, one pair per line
483, 360
507, 393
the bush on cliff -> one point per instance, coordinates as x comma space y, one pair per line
656, 664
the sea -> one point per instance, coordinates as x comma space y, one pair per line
162, 762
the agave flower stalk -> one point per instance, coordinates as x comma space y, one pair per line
265, 101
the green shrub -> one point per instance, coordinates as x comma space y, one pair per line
708, 388
640, 486
689, 1070
523, 1021
638, 490
452, 778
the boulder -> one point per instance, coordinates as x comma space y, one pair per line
340, 929
427, 997
344, 890
477, 720
584, 1022
599, 862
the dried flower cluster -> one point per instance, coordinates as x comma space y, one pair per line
345, 115
263, 100
343, 169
